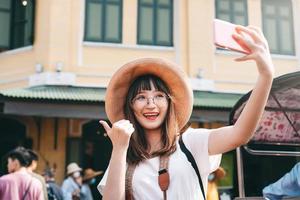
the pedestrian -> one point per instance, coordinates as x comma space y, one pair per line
19, 184
53, 190
148, 101
32, 166
89, 179
212, 186
72, 187
287, 186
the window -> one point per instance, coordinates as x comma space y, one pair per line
155, 22
103, 21
16, 23
234, 11
277, 17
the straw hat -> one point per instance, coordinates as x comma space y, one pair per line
90, 173
169, 72
73, 167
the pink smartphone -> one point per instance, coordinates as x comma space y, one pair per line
223, 37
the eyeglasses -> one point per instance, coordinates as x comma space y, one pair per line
157, 99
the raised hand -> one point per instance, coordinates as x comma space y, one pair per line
119, 133
252, 38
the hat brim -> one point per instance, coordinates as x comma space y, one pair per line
74, 170
169, 72
92, 176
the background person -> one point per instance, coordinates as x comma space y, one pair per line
89, 178
212, 186
32, 166
19, 183
287, 186
53, 190
73, 187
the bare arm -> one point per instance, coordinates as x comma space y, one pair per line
119, 134
227, 138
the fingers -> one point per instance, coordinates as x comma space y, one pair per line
252, 38
243, 58
261, 35
105, 125
124, 125
252, 33
120, 125
243, 42
257, 30
119, 133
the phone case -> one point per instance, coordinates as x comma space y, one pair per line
223, 36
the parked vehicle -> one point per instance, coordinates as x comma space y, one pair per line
275, 146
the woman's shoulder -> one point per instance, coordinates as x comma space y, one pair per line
195, 137
195, 132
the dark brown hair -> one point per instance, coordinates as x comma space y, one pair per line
138, 146
21, 154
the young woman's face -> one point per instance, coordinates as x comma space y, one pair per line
150, 108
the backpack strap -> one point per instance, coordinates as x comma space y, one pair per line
163, 174
128, 181
192, 161
163, 178
27, 190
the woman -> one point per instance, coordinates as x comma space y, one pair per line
149, 102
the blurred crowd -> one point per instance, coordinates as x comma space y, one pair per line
22, 182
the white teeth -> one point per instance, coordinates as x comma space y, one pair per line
150, 115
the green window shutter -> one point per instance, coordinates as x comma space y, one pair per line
164, 27
155, 22
223, 10
240, 15
18, 26
234, 11
113, 23
146, 25
270, 31
103, 22
93, 25
5, 20
17, 22
22, 25
277, 17
29, 24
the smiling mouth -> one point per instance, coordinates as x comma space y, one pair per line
151, 116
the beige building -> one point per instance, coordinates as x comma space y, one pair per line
56, 58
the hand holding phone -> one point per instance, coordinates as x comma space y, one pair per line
223, 32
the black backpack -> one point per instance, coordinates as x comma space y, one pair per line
51, 194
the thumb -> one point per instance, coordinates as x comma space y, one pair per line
105, 125
243, 58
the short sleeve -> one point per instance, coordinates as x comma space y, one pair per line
196, 140
102, 183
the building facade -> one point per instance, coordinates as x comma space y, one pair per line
56, 58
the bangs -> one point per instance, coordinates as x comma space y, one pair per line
144, 83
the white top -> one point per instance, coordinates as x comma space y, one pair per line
183, 178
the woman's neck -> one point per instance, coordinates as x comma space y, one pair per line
154, 139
